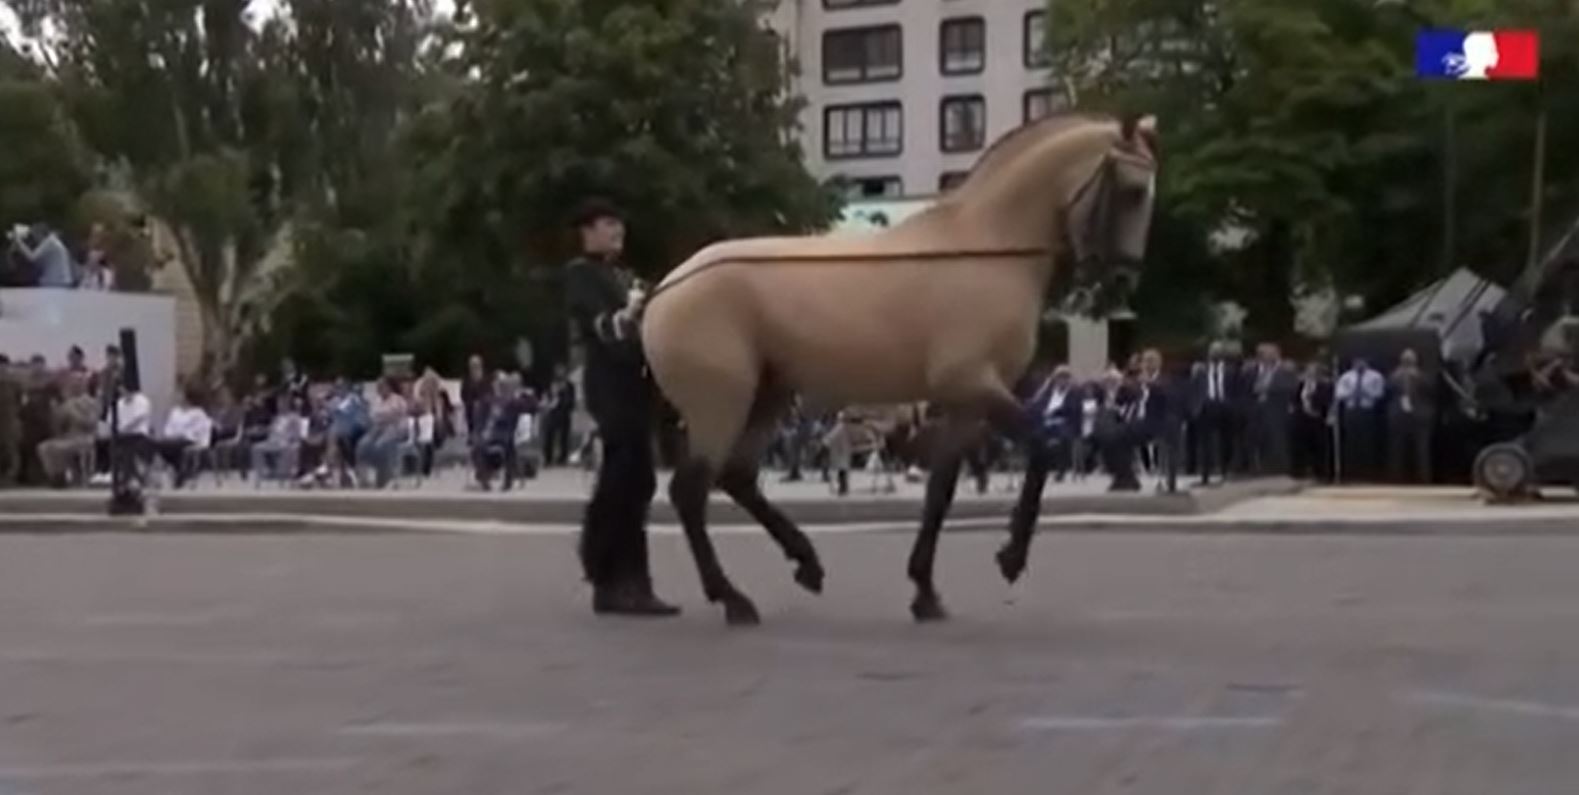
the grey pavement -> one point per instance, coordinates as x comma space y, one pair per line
1126, 663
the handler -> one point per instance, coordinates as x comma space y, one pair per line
604, 307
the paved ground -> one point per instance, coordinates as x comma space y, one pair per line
467, 664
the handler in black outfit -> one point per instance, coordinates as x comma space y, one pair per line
604, 310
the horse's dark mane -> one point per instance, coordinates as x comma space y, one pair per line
1056, 120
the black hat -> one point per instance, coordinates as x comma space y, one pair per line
595, 209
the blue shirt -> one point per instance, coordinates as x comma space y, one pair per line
54, 263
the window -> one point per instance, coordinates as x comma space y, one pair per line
1043, 102
862, 55
962, 46
1035, 41
964, 123
873, 129
951, 179
873, 187
856, 3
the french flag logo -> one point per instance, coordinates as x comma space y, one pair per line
1478, 54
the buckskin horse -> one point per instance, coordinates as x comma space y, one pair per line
942, 307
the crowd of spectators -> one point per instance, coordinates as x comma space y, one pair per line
1216, 418
1220, 417
56, 427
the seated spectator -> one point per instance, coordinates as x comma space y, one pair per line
76, 421
276, 456
10, 422
40, 396
1057, 409
498, 448
133, 423
389, 431
313, 466
187, 428
348, 423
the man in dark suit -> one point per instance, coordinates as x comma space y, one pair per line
1272, 384
1312, 424
604, 306
1056, 406
1411, 420
1214, 389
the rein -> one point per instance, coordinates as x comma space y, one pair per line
987, 253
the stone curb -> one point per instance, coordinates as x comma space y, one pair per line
568, 511
280, 524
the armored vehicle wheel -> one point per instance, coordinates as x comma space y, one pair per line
1504, 472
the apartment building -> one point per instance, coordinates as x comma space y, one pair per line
903, 95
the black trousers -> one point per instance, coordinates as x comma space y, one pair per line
1214, 438
1312, 445
1409, 447
556, 438
614, 529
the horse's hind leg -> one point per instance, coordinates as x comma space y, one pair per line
942, 483
713, 425
739, 481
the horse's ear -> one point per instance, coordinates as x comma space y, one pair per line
1141, 129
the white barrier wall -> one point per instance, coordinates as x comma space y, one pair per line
49, 322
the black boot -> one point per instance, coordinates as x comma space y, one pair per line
630, 599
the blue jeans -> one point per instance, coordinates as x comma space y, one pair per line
380, 449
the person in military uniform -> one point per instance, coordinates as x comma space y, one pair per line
604, 302
10, 423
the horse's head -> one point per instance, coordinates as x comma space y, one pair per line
1108, 219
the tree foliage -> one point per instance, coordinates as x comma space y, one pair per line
1299, 126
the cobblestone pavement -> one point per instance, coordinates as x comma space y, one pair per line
1159, 664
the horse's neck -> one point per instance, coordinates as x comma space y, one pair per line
1021, 202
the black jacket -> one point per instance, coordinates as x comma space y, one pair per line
615, 377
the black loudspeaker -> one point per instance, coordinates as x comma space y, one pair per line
1120, 339
131, 375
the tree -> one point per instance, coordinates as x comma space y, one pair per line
1301, 126
676, 109
45, 166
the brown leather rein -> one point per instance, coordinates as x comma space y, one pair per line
985, 253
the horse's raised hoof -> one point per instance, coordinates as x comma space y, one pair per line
1011, 561
809, 575
928, 608
740, 612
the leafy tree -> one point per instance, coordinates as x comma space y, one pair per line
45, 166
1300, 126
676, 109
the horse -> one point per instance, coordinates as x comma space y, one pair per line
942, 308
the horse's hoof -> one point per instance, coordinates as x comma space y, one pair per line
1011, 562
927, 609
809, 576
740, 612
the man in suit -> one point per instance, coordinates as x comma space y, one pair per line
1056, 406
1214, 388
1312, 429
604, 306
1158, 413
1272, 384
1411, 419
1359, 394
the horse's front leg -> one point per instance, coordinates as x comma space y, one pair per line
1009, 418
945, 458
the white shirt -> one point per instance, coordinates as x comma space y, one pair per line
189, 423
1216, 381
133, 414
1355, 391
1056, 401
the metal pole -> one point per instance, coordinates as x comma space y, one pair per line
1449, 183
1537, 188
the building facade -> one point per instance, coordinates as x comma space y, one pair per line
903, 95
